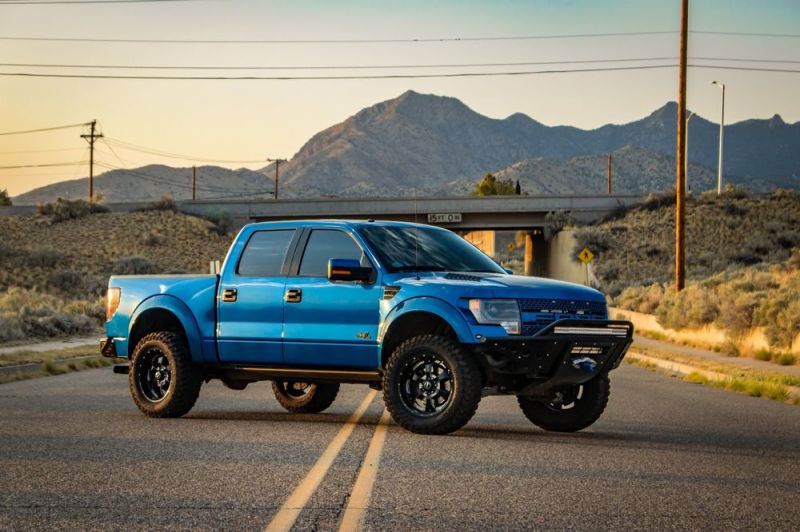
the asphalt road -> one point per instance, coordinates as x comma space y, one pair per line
76, 454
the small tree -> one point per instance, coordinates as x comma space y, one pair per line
5, 201
491, 186
518, 189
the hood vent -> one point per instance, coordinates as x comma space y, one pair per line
463, 277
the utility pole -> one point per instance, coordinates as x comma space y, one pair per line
91, 138
721, 131
277, 165
194, 183
680, 184
609, 174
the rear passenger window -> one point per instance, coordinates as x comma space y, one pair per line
324, 244
264, 253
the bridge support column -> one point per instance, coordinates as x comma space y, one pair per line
528, 254
536, 254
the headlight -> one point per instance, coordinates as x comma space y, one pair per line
503, 312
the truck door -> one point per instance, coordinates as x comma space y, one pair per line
250, 300
330, 324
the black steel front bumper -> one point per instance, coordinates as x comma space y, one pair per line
566, 352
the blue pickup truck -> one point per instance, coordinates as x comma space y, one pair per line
409, 309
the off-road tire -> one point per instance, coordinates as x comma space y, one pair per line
185, 377
585, 411
465, 387
319, 397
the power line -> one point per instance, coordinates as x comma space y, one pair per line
379, 67
387, 41
153, 151
385, 76
340, 41
339, 67
38, 151
746, 34
56, 2
375, 76
75, 163
43, 129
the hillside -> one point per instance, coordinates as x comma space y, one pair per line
722, 232
430, 145
635, 171
48, 290
149, 183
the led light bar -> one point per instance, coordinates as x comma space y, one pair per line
592, 331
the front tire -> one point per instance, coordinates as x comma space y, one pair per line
575, 410
431, 385
163, 380
305, 397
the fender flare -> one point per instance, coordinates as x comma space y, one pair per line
432, 305
184, 315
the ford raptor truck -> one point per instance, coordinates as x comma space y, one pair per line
412, 310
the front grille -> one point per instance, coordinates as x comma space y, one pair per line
542, 312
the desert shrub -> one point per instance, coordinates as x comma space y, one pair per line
641, 298
222, 222
43, 258
591, 238
779, 314
746, 258
133, 266
736, 192
691, 307
736, 309
64, 282
788, 239
27, 313
558, 220
732, 209
5, 200
6, 250
62, 210
153, 238
166, 203
657, 200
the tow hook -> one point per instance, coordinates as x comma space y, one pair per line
585, 364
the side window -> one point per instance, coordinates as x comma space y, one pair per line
264, 253
325, 244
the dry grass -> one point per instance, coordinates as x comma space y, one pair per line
54, 362
56, 273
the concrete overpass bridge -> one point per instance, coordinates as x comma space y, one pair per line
463, 214
458, 213
543, 257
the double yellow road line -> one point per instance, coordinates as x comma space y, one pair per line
362, 489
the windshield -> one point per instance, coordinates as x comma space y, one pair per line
425, 249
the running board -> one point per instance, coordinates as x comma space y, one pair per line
303, 374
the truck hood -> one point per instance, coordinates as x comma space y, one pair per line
487, 285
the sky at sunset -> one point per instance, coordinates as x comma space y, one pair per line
248, 120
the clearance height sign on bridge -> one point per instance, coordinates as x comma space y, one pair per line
453, 217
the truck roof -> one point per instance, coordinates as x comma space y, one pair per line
333, 223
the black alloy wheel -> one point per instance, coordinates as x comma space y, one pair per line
425, 384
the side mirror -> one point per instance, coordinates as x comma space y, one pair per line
348, 270
509, 272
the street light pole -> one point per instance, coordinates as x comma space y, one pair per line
721, 133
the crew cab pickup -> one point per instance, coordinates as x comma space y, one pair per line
412, 310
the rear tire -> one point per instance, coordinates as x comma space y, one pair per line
586, 405
431, 385
163, 380
305, 397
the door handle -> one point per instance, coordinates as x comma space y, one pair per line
293, 295
229, 295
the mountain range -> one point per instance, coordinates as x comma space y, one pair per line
430, 145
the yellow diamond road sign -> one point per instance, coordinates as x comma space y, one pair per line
586, 256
